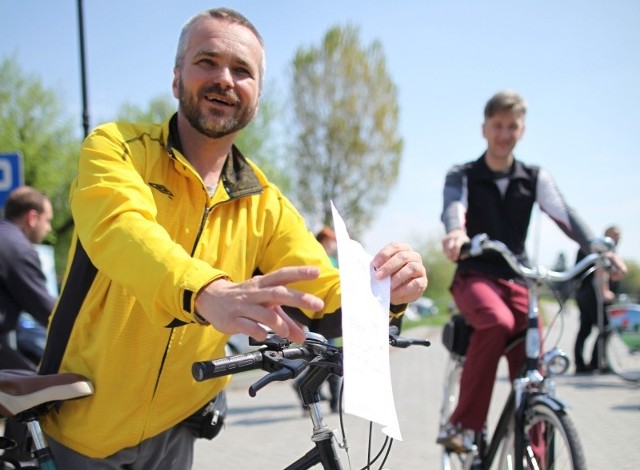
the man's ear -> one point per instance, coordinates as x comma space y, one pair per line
175, 84
31, 218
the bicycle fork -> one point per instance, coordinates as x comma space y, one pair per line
324, 451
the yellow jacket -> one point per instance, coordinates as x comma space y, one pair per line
147, 238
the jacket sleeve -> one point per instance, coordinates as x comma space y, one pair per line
552, 203
454, 207
26, 282
296, 246
115, 219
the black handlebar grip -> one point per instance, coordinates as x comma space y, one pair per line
226, 365
402, 342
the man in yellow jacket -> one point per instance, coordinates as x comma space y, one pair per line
180, 242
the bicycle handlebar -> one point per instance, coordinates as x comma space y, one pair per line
481, 243
278, 355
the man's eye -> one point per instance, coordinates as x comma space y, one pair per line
243, 71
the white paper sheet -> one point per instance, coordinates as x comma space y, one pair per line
365, 335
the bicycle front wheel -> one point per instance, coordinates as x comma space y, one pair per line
622, 352
450, 460
551, 440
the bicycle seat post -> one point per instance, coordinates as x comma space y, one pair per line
41, 451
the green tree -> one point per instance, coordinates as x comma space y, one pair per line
158, 109
439, 270
262, 140
630, 284
33, 123
346, 112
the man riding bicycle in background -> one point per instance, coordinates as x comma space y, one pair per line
495, 195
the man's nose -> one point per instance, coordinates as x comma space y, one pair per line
506, 134
224, 77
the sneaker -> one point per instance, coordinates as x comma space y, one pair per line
456, 438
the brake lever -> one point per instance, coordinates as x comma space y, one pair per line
280, 369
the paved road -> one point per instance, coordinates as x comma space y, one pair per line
269, 431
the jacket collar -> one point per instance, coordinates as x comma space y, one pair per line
237, 176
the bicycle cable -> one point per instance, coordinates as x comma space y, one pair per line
386, 445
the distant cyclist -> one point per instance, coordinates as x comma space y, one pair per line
587, 301
494, 194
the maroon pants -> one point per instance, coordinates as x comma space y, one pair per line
497, 309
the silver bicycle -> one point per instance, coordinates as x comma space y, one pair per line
534, 430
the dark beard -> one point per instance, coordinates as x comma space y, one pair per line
210, 125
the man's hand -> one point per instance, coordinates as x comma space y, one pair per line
452, 243
618, 266
242, 308
404, 265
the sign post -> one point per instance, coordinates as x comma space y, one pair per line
11, 174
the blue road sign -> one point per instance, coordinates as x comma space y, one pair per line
11, 174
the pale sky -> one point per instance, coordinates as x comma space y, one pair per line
577, 63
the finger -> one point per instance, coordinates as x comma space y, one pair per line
251, 328
295, 331
394, 263
275, 319
386, 253
281, 295
409, 291
287, 275
407, 273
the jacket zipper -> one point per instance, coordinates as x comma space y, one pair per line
205, 216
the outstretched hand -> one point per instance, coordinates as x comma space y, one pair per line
404, 265
248, 307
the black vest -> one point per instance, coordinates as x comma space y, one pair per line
502, 218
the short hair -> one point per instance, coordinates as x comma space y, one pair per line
325, 233
225, 14
23, 199
506, 100
612, 230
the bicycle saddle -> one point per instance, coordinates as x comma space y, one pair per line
21, 390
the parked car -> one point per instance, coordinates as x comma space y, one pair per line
424, 306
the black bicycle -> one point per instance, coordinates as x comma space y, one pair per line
534, 430
285, 361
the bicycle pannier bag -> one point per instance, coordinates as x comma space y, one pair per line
456, 334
